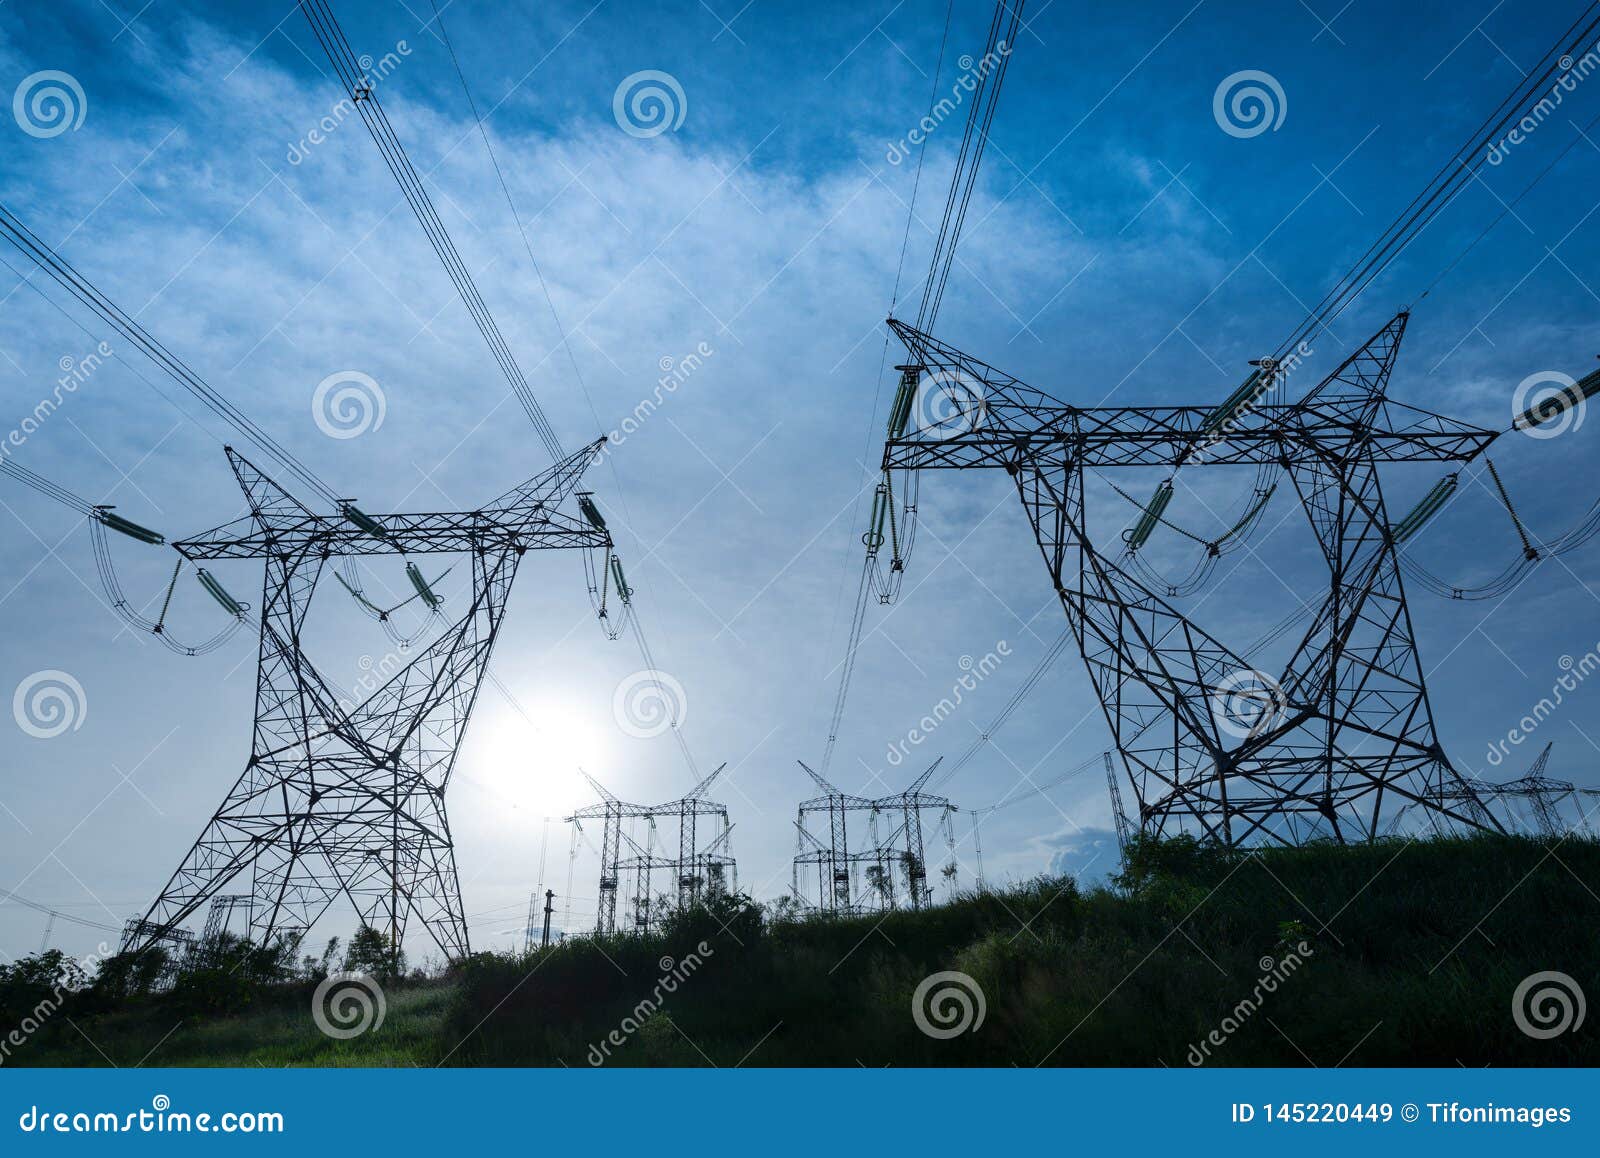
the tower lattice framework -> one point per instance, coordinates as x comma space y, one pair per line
336, 800
1347, 739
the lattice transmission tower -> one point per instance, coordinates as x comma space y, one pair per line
1536, 804
350, 801
889, 861
698, 872
1345, 737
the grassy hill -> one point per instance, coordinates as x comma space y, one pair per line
1398, 953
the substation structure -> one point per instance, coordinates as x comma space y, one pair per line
697, 873
888, 868
1348, 739
1536, 804
351, 801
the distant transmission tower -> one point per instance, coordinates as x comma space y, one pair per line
1119, 814
697, 872
335, 801
891, 860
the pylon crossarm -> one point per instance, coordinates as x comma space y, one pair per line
403, 534
1172, 436
600, 811
525, 518
839, 800
991, 419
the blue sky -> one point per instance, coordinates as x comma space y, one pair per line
1120, 245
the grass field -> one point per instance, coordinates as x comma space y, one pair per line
1400, 953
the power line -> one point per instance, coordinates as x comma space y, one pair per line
982, 109
975, 137
331, 37
1453, 176
345, 62
64, 274
57, 914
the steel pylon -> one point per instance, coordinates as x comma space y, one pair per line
350, 800
1344, 739
698, 872
899, 852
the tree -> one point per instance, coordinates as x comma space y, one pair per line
38, 983
316, 968
369, 953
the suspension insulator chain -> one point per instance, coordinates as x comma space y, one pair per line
161, 620
1529, 551
896, 562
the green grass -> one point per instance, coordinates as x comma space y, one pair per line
1415, 950
277, 1032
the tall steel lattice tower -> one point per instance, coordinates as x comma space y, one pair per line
335, 801
1345, 738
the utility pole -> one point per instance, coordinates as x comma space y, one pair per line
549, 907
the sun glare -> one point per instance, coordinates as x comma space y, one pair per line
530, 762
